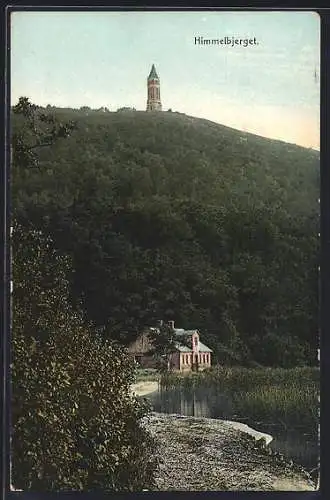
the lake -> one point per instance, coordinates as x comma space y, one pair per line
299, 444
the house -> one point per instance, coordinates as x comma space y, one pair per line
140, 350
189, 352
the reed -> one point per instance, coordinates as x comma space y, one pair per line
272, 395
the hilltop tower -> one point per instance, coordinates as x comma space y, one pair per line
153, 102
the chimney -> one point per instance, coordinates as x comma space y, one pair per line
171, 324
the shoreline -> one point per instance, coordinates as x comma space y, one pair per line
235, 456
202, 454
150, 387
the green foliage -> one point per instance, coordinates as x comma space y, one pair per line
168, 216
41, 307
76, 425
290, 350
35, 128
163, 341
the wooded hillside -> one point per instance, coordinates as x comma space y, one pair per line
167, 216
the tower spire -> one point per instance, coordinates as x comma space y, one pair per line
153, 88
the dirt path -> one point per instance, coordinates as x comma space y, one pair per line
144, 388
201, 454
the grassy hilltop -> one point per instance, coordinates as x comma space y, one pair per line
174, 217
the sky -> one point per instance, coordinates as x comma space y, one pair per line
103, 58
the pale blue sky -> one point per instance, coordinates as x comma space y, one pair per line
103, 59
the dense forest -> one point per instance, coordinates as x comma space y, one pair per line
166, 216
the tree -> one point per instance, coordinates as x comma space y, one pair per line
75, 423
163, 340
172, 216
36, 129
276, 350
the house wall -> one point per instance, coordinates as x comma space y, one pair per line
204, 360
194, 341
139, 350
184, 361
174, 359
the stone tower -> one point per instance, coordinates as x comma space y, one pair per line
153, 102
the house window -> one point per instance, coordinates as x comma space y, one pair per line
187, 359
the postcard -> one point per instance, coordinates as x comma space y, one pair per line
165, 178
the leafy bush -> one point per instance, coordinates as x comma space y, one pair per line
75, 423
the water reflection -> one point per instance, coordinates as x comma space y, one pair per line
298, 444
197, 403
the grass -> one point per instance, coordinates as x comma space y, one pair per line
289, 396
147, 375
